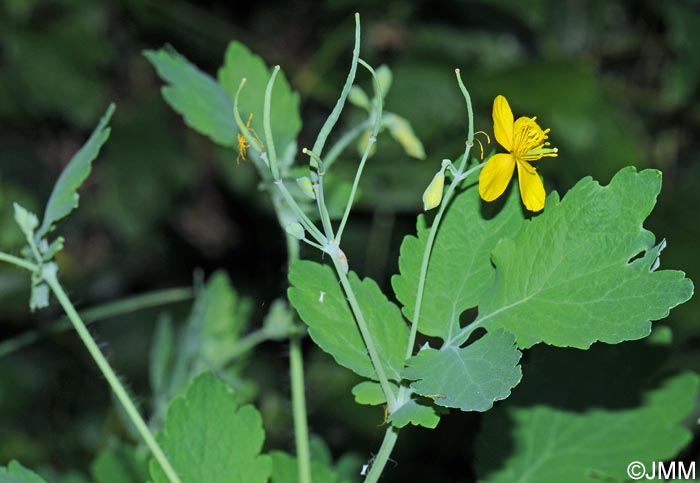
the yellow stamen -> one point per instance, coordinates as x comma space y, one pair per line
481, 148
243, 143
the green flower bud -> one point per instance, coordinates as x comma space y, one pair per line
295, 230
306, 187
433, 193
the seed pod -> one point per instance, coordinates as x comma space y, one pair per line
433, 193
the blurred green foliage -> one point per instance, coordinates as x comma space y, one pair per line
616, 81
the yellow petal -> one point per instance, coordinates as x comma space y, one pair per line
531, 187
503, 122
495, 176
433, 193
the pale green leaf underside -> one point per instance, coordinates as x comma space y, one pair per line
16, 473
207, 105
208, 438
460, 268
469, 378
64, 196
239, 62
597, 420
202, 102
566, 278
318, 298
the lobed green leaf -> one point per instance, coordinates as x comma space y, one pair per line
196, 96
583, 416
460, 269
470, 378
208, 438
240, 62
570, 278
321, 304
64, 197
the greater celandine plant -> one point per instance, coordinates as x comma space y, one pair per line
582, 270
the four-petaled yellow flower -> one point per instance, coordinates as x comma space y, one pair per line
525, 142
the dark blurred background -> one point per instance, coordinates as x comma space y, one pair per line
617, 82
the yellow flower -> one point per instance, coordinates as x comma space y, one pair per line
525, 142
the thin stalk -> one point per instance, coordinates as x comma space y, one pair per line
296, 376
335, 114
323, 209
301, 428
110, 309
267, 126
366, 334
380, 461
116, 385
244, 345
372, 139
344, 141
20, 262
429, 250
303, 219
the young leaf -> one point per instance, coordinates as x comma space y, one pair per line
569, 278
210, 338
26, 220
417, 414
584, 416
239, 62
209, 439
321, 304
470, 378
161, 357
64, 197
460, 268
369, 393
202, 102
16, 473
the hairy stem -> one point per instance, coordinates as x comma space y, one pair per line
110, 309
20, 262
380, 461
301, 429
108, 372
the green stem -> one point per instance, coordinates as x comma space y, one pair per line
301, 428
344, 141
380, 461
111, 309
20, 262
323, 209
129, 406
244, 345
303, 219
429, 250
366, 334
